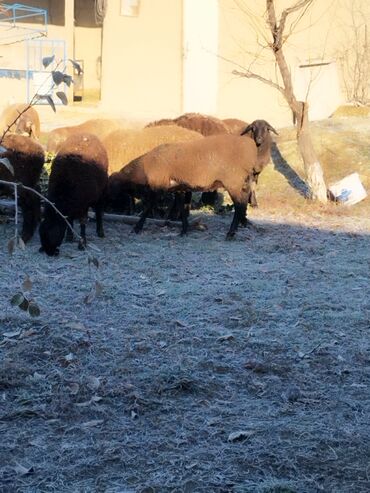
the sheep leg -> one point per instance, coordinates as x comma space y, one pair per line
175, 209
184, 204
30, 207
252, 198
187, 202
147, 209
82, 240
69, 233
239, 215
99, 218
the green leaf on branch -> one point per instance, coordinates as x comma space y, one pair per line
77, 67
58, 77
46, 61
33, 309
61, 95
17, 299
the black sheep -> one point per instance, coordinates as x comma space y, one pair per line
26, 158
78, 180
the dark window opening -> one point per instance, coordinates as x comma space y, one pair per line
55, 9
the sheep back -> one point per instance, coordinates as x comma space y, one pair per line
26, 158
99, 127
27, 124
204, 124
210, 163
124, 145
79, 175
234, 125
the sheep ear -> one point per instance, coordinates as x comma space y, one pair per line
272, 129
248, 129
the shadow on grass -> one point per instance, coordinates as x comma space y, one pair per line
283, 167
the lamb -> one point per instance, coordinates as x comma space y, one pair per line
21, 120
100, 127
217, 161
78, 180
25, 162
260, 130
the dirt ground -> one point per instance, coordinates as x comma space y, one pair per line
191, 364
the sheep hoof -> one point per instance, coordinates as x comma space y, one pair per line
248, 224
230, 236
81, 245
101, 234
136, 230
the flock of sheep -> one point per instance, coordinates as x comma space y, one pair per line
99, 163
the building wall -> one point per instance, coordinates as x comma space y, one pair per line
244, 33
88, 49
81, 43
144, 77
142, 60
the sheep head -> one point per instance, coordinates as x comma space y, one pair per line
52, 231
259, 130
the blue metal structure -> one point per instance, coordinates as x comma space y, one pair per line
14, 26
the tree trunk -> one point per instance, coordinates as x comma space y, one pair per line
314, 173
312, 166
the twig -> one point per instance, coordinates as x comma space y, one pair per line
24, 187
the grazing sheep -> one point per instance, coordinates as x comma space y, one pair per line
124, 145
203, 124
220, 161
159, 123
234, 125
26, 123
100, 127
26, 158
78, 180
260, 130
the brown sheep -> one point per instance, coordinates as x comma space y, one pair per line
124, 145
219, 161
78, 180
21, 119
234, 125
100, 127
204, 124
26, 159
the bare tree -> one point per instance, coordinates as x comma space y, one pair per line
354, 54
279, 34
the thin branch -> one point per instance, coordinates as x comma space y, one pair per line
251, 75
24, 187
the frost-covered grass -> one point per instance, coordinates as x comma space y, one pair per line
204, 365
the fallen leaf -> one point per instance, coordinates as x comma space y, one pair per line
27, 284
22, 470
93, 382
74, 388
240, 435
225, 337
15, 333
